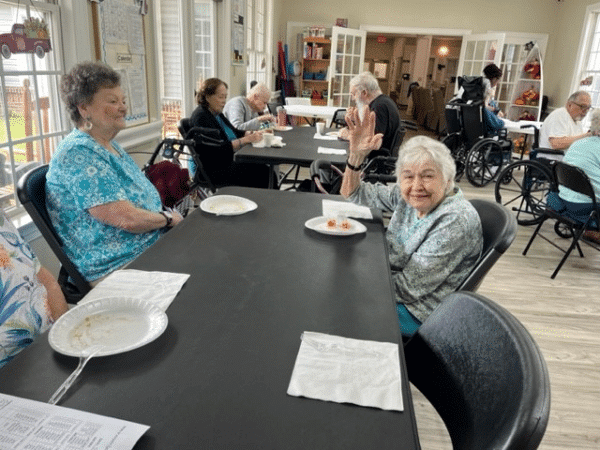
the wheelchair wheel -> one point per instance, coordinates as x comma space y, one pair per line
458, 150
484, 162
563, 230
523, 187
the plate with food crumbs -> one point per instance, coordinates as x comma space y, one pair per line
227, 205
335, 226
117, 325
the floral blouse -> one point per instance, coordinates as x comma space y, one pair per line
24, 310
82, 175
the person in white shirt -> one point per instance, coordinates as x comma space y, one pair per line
563, 126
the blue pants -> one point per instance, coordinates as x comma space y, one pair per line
409, 324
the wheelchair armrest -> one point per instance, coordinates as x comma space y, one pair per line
409, 125
207, 136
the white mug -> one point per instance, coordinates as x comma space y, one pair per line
320, 127
268, 139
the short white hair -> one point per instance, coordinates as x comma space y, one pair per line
365, 81
595, 122
422, 148
260, 89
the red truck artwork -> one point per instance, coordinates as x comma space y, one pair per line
28, 37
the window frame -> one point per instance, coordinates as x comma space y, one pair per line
590, 27
55, 68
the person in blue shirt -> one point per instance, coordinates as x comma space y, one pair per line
30, 298
585, 154
101, 204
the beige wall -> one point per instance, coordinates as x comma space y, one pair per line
561, 21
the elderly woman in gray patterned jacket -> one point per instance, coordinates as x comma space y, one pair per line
434, 234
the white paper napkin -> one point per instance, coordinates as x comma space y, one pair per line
331, 208
159, 288
331, 151
344, 370
325, 137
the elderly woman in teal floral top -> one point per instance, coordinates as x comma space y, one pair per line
434, 235
30, 298
101, 204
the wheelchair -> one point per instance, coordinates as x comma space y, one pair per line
523, 186
477, 154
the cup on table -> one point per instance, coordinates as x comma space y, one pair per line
268, 139
320, 127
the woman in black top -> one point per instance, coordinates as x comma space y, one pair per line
218, 161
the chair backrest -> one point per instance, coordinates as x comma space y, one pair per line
339, 118
297, 101
483, 372
31, 190
397, 142
499, 228
184, 126
473, 124
575, 179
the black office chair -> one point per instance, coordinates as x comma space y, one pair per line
575, 179
499, 228
339, 118
31, 190
483, 372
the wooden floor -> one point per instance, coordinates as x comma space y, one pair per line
563, 316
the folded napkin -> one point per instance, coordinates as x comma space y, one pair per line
331, 151
158, 288
344, 370
325, 137
331, 208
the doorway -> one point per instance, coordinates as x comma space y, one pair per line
398, 60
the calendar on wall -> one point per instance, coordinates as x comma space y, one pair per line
119, 37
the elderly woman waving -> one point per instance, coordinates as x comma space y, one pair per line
434, 235
101, 204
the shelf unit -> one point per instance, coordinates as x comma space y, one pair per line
526, 82
316, 53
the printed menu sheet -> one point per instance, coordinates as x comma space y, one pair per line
27, 424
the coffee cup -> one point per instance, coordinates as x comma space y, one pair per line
268, 139
320, 127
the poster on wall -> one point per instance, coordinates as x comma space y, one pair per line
121, 44
237, 31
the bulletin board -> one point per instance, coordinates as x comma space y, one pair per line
119, 41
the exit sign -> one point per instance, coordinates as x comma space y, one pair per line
381, 39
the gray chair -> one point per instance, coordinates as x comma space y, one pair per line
484, 374
499, 228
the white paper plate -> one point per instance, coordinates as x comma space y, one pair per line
286, 128
227, 205
117, 324
319, 224
333, 133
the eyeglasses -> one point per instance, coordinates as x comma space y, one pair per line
584, 107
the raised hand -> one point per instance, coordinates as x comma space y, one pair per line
361, 133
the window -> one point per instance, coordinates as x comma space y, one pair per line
587, 74
32, 120
258, 43
176, 87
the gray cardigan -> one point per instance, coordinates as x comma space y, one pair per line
241, 115
429, 257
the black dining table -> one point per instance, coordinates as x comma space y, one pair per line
217, 377
300, 149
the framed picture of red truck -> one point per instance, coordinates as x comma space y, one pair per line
31, 36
